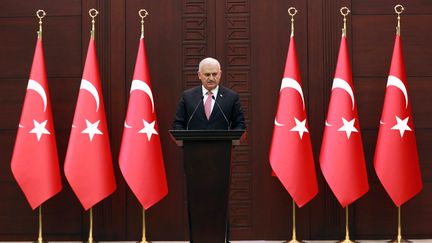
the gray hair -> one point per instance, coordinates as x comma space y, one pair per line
208, 60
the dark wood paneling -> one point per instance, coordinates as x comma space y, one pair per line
11, 105
373, 39
387, 7
21, 8
62, 48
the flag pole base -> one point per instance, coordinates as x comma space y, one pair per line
93, 241
36, 241
294, 241
143, 241
348, 241
401, 241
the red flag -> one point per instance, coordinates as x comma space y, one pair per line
396, 159
291, 155
88, 164
342, 159
141, 161
35, 163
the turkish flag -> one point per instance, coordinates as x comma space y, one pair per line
88, 164
291, 155
141, 161
35, 164
342, 160
396, 159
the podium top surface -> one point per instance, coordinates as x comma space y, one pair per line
206, 134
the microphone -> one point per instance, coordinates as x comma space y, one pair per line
193, 113
223, 114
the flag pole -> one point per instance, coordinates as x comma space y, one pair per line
294, 235
292, 12
144, 240
143, 13
399, 238
90, 239
344, 12
40, 14
92, 13
40, 239
347, 237
398, 10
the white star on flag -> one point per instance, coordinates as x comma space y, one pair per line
148, 129
401, 125
39, 129
300, 127
92, 129
348, 127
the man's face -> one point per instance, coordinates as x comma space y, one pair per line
209, 75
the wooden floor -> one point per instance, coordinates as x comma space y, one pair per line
256, 241
263, 241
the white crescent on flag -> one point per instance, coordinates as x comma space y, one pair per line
291, 83
140, 85
342, 84
126, 125
395, 81
34, 85
278, 124
86, 85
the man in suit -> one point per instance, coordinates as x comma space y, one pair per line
209, 106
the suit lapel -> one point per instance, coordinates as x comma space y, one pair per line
219, 99
198, 99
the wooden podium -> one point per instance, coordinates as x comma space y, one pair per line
206, 162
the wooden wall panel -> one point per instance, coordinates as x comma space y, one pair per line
373, 39
386, 6
23, 8
57, 43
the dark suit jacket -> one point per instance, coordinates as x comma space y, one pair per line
228, 101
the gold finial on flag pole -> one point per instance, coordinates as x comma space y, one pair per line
93, 13
398, 9
292, 11
344, 11
142, 13
40, 14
